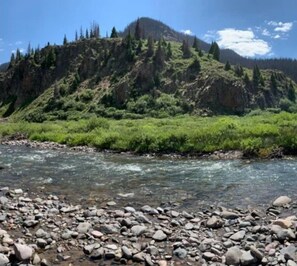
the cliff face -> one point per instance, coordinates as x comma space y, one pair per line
89, 75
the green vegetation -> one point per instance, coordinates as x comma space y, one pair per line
254, 134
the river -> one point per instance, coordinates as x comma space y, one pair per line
101, 177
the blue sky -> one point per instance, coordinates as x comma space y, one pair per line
264, 28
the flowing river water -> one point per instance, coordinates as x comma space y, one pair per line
142, 180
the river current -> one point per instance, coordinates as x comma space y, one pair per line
101, 177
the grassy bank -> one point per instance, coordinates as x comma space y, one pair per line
255, 134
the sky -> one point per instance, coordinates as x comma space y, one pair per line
252, 28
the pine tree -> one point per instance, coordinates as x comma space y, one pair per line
159, 57
291, 93
114, 33
256, 76
169, 50
81, 34
227, 66
238, 71
273, 81
186, 49
76, 36
215, 51
87, 34
196, 44
150, 47
95, 30
65, 40
28, 50
139, 47
195, 65
12, 59
246, 79
137, 33
18, 56
128, 40
51, 58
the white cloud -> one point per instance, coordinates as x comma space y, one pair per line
187, 32
284, 27
242, 42
265, 32
209, 36
21, 50
277, 36
281, 26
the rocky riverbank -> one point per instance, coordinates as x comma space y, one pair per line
45, 230
20, 140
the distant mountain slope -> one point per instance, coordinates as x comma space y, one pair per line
157, 29
3, 67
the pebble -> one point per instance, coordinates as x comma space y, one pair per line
22, 252
180, 253
159, 236
213, 236
3, 260
233, 256
214, 222
282, 201
238, 236
138, 230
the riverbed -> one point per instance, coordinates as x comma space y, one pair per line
123, 178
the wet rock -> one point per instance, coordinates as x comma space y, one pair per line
284, 223
159, 236
22, 252
233, 256
282, 201
214, 222
18, 191
111, 203
138, 230
229, 215
130, 209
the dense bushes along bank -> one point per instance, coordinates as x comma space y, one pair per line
258, 134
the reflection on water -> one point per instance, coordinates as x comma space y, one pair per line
146, 180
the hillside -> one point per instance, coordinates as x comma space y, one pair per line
118, 78
158, 30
